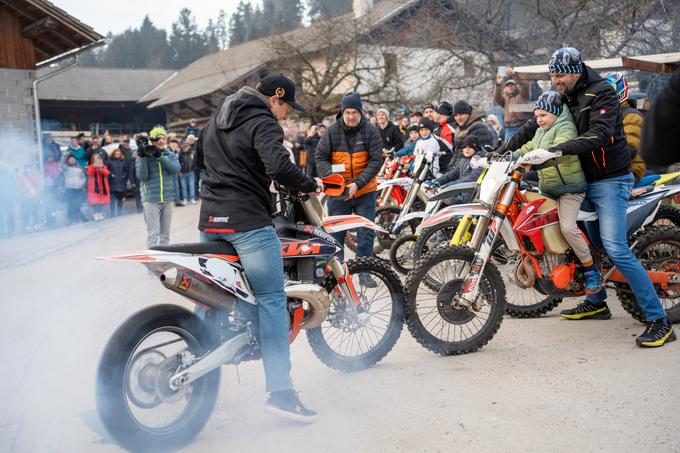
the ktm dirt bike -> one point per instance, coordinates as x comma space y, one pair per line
391, 194
159, 374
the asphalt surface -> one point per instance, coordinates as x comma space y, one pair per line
540, 385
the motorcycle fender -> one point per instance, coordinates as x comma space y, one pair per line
338, 223
403, 182
450, 212
410, 216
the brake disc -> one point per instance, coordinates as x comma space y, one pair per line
446, 303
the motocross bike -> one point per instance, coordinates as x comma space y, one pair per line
391, 194
159, 374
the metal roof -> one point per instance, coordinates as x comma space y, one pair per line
663, 62
100, 84
227, 67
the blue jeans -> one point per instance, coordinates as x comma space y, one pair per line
188, 186
363, 206
260, 254
610, 197
177, 188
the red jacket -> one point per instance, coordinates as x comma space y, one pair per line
98, 191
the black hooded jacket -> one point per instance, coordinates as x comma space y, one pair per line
241, 150
659, 133
601, 145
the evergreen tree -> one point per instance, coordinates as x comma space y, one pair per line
240, 23
143, 47
187, 43
323, 9
285, 15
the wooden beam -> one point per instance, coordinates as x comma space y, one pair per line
45, 24
632, 63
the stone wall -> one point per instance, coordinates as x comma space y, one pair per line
16, 109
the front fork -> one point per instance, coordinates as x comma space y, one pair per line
344, 279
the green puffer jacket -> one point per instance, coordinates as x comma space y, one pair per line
566, 176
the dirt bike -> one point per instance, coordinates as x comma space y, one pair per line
394, 195
159, 374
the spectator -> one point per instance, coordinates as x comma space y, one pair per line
8, 200
492, 120
119, 167
402, 122
311, 141
130, 157
430, 144
428, 112
460, 170
661, 124
98, 191
107, 139
445, 130
470, 121
186, 171
30, 189
51, 148
96, 148
192, 129
410, 145
414, 119
77, 151
74, 181
176, 183
352, 147
392, 138
84, 143
508, 92
154, 171
192, 141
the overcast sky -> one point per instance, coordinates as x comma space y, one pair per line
121, 14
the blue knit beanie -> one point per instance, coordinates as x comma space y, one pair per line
566, 60
550, 101
351, 101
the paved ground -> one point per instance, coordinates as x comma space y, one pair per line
540, 385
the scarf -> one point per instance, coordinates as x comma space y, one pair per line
98, 176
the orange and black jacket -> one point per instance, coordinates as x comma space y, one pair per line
358, 149
601, 145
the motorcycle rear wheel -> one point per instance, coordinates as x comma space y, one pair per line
402, 257
382, 318
127, 417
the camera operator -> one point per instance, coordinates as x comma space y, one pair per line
155, 167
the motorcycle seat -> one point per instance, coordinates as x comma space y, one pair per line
200, 248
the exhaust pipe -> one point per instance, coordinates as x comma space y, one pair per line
318, 299
197, 290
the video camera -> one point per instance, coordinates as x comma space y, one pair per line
146, 145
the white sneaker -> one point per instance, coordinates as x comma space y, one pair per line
193, 201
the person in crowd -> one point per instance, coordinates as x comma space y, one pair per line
299, 150
8, 200
402, 123
410, 145
119, 167
429, 113
460, 170
493, 121
470, 121
565, 180
84, 143
597, 114
30, 190
96, 148
176, 182
632, 123
51, 185
430, 144
511, 90
241, 151
445, 130
414, 118
107, 139
391, 136
192, 129
192, 141
98, 190
661, 124
130, 158
186, 171
155, 169
311, 141
51, 148
74, 182
353, 148
77, 151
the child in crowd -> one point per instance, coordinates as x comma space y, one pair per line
460, 170
118, 167
98, 192
410, 144
562, 179
74, 181
428, 144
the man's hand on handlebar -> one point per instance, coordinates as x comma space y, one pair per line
319, 185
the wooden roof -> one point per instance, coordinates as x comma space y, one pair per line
52, 30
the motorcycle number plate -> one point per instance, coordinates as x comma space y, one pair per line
337, 168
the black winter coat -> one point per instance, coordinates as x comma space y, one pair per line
241, 151
659, 132
391, 137
119, 174
601, 145
476, 126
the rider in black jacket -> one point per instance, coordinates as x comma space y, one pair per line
241, 150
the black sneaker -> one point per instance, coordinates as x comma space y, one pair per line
656, 334
367, 281
587, 310
287, 404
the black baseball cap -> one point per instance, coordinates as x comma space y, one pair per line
281, 86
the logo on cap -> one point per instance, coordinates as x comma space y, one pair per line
280, 92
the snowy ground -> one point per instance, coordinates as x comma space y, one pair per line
540, 385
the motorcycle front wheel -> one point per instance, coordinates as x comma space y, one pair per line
135, 402
347, 343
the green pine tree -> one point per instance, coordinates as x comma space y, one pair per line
323, 9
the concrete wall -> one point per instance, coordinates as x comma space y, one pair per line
16, 110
